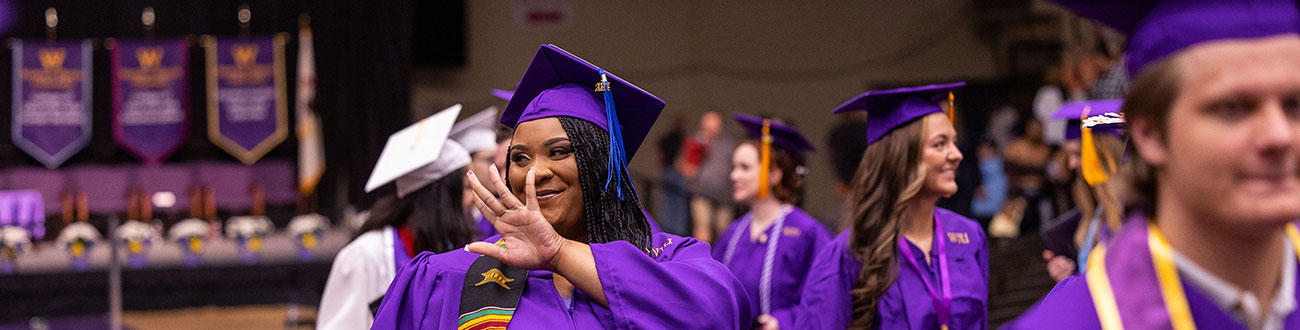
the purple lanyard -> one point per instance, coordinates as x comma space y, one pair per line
942, 305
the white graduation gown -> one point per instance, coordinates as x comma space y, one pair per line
360, 275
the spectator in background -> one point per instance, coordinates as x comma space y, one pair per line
671, 207
1069, 84
1048, 99
1026, 158
1112, 83
847, 142
992, 190
707, 166
1002, 125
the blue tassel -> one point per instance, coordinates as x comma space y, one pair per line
617, 155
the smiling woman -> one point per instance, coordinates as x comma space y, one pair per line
544, 146
770, 248
902, 262
558, 147
574, 248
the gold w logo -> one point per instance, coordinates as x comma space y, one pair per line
52, 57
495, 276
149, 57
244, 54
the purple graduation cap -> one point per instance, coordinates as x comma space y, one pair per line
1085, 119
784, 136
769, 132
1156, 28
889, 109
558, 83
1074, 112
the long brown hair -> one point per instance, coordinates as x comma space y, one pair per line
1111, 151
788, 189
888, 177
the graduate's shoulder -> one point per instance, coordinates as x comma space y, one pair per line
455, 261
961, 229
800, 218
837, 251
1068, 306
368, 248
732, 228
835, 259
801, 224
665, 246
956, 221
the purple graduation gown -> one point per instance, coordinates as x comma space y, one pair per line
677, 286
400, 256
827, 303
1130, 271
654, 224
799, 238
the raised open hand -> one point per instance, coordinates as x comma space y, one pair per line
527, 240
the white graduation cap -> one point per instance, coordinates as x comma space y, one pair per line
478, 132
419, 154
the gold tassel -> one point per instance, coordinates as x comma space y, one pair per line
1092, 171
952, 109
765, 158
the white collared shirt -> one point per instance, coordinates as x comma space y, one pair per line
1245, 307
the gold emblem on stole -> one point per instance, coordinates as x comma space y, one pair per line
495, 276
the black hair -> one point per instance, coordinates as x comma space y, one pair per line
433, 213
609, 218
847, 142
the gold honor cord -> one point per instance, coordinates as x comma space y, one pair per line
1171, 288
1102, 295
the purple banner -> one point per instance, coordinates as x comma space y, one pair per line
51, 98
247, 114
150, 97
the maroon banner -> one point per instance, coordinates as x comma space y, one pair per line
150, 97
